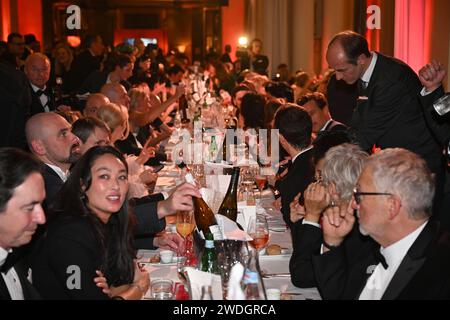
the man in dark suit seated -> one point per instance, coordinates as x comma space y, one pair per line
388, 114
37, 70
294, 125
317, 107
21, 193
50, 138
409, 256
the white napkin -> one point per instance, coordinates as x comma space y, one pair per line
197, 279
230, 230
235, 291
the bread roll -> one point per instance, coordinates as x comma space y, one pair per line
273, 250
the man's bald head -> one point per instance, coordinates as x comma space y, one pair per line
50, 138
93, 103
116, 93
37, 69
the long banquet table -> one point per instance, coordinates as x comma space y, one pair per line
275, 267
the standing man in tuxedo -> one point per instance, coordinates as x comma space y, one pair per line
409, 256
37, 70
388, 114
21, 195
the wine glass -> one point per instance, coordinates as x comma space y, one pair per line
185, 225
261, 181
258, 230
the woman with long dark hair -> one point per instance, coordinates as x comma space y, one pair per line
89, 233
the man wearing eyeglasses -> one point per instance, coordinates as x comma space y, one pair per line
409, 257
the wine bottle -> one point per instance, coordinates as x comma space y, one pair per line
228, 208
183, 106
204, 217
209, 257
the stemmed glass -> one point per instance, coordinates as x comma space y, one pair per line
185, 225
261, 181
258, 230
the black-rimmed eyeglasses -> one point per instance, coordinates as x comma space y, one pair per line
357, 195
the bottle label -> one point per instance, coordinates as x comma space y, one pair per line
217, 233
209, 244
250, 277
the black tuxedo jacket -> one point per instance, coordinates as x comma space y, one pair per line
29, 292
335, 126
389, 114
342, 99
53, 184
15, 101
95, 81
36, 104
299, 176
423, 273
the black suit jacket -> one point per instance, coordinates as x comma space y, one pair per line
390, 115
95, 81
342, 99
423, 273
299, 176
21, 268
15, 101
335, 126
53, 184
83, 65
36, 104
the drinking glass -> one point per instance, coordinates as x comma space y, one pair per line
261, 181
162, 289
442, 106
258, 229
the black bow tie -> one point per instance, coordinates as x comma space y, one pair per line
379, 258
39, 93
11, 260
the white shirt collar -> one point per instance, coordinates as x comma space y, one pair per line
301, 152
35, 89
368, 74
3, 255
326, 125
395, 253
63, 175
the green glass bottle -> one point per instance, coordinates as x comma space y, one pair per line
229, 208
209, 258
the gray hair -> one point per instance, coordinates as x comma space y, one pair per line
342, 166
406, 175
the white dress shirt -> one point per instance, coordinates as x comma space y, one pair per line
368, 74
11, 278
379, 280
43, 97
63, 175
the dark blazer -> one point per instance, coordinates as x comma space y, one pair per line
390, 115
335, 126
83, 65
342, 99
96, 80
422, 275
299, 176
68, 242
36, 104
308, 241
53, 184
29, 292
15, 101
